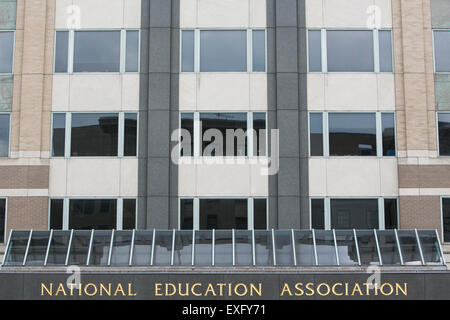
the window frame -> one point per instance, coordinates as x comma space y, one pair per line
324, 50
197, 152
437, 135
9, 134
197, 47
434, 48
66, 209
123, 51
6, 235
327, 209
442, 198
326, 133
13, 51
120, 135
196, 210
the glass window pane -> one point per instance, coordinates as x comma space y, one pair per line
120, 255
243, 248
385, 44
220, 144
17, 247
259, 126
444, 134
183, 248
142, 250
38, 248
304, 248
97, 51
223, 214
430, 246
318, 213
263, 248
388, 129
346, 245
442, 50
388, 247
56, 214
79, 247
187, 141
222, 51
409, 247
101, 245
316, 134
367, 248
6, 52
203, 248
4, 135
92, 214
354, 214
259, 50
59, 245
260, 214
283, 248
315, 50
350, 51
326, 251
2, 220
132, 54
129, 214
352, 134
59, 135
94, 134
390, 214
130, 138
446, 218
61, 51
187, 51
223, 249
186, 214
162, 255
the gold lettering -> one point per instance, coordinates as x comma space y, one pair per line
60, 288
193, 289
240, 294
49, 291
310, 288
157, 289
258, 289
93, 293
174, 289
333, 289
286, 288
298, 287
119, 288
404, 290
103, 288
323, 285
390, 287
210, 288
357, 288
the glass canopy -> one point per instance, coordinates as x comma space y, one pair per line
222, 248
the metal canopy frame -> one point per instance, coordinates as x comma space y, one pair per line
350, 249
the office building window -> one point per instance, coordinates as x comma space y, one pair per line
97, 51
5, 122
223, 213
442, 50
350, 51
223, 134
390, 214
6, 51
444, 133
94, 135
129, 214
446, 218
352, 134
56, 214
223, 51
317, 214
2, 220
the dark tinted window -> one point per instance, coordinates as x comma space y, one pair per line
218, 124
92, 214
354, 214
186, 214
223, 214
352, 134
4, 135
187, 138
259, 50
130, 138
315, 50
97, 51
2, 220
260, 214
259, 126
317, 214
56, 214
390, 214
132, 54
385, 46
223, 51
442, 50
61, 51
6, 52
129, 214
94, 134
316, 134
350, 51
388, 130
446, 218
444, 134
59, 134
187, 51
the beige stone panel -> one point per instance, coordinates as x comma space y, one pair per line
62, 13
47, 91
18, 52
432, 131
17, 92
24, 177
15, 132
128, 177
46, 131
187, 91
386, 91
398, 49
87, 177
132, 14
318, 177
399, 92
223, 13
388, 177
258, 13
32, 93
385, 12
346, 13
421, 212
20, 15
130, 92
26, 213
314, 13
416, 130
58, 178
259, 182
101, 13
60, 92
188, 13
187, 182
316, 91
258, 92
49, 50
30, 131
34, 36
95, 92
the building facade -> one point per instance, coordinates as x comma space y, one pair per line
346, 106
